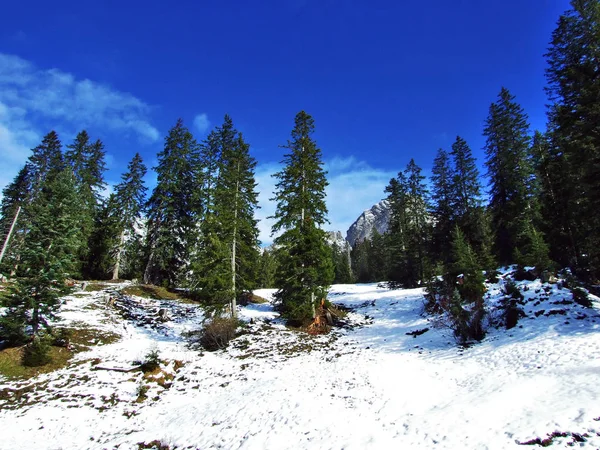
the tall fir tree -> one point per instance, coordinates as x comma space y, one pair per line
173, 210
229, 249
442, 211
305, 269
129, 202
410, 227
467, 205
47, 258
513, 205
574, 115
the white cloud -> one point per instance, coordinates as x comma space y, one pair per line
202, 123
34, 100
353, 187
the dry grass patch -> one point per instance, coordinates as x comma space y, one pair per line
83, 338
93, 287
11, 365
150, 291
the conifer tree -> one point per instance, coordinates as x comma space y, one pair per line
409, 233
45, 162
47, 258
173, 209
267, 269
361, 266
512, 202
466, 204
574, 89
129, 201
305, 268
442, 212
229, 247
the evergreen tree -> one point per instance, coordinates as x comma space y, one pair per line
360, 261
45, 162
86, 160
442, 211
43, 165
267, 269
468, 211
512, 190
173, 209
379, 258
409, 227
129, 200
304, 259
574, 89
14, 196
228, 250
47, 258
341, 264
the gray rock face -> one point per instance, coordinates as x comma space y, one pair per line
336, 237
375, 218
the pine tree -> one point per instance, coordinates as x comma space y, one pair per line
173, 209
129, 201
45, 162
47, 257
511, 175
341, 264
304, 259
361, 266
574, 89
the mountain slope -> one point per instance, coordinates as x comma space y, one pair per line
377, 217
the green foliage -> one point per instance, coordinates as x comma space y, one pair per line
532, 249
36, 353
340, 257
572, 163
512, 186
304, 266
581, 297
151, 360
267, 269
409, 229
465, 263
173, 209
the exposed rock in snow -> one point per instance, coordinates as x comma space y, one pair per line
335, 237
377, 217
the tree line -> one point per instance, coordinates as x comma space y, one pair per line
197, 229
544, 191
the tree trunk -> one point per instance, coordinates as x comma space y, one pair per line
233, 248
115, 275
10, 231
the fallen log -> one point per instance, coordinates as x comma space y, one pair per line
117, 369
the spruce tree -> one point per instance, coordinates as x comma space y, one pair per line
442, 212
512, 201
574, 114
47, 258
173, 209
129, 201
305, 268
229, 248
466, 204
410, 231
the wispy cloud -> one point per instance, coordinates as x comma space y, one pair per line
201, 123
34, 100
353, 187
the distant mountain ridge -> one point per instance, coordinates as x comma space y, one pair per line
375, 218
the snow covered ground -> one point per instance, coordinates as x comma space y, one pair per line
369, 385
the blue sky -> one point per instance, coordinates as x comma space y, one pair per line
386, 81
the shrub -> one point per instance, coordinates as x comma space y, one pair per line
151, 360
511, 290
217, 332
62, 337
36, 353
581, 297
467, 323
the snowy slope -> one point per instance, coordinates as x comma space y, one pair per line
369, 385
